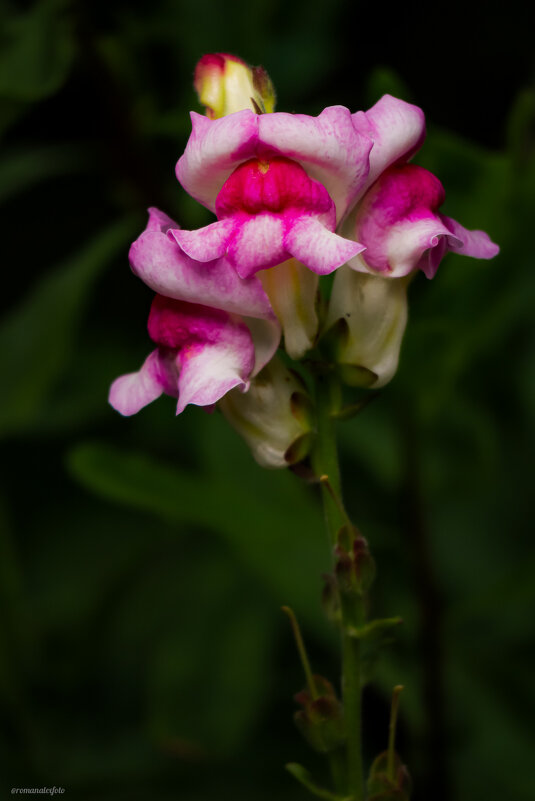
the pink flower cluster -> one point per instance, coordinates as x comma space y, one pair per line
295, 198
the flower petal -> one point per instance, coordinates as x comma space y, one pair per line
214, 149
165, 268
328, 146
317, 247
373, 311
266, 336
130, 393
472, 243
406, 243
292, 290
398, 221
205, 244
159, 221
208, 370
397, 129
258, 243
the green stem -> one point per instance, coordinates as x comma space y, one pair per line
337, 764
325, 463
325, 457
351, 686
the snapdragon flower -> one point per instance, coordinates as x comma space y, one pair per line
403, 230
397, 219
278, 184
204, 347
295, 198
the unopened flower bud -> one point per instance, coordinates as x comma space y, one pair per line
365, 323
330, 598
225, 84
354, 565
321, 721
389, 782
275, 417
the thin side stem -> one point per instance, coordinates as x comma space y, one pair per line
302, 652
392, 732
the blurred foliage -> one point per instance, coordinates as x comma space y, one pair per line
143, 561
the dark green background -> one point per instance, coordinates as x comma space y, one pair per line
143, 562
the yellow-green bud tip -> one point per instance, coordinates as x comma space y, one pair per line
225, 84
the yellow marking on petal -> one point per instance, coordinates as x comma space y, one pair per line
263, 166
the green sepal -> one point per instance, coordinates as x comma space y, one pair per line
334, 343
301, 405
303, 777
299, 449
265, 90
389, 782
350, 411
330, 598
354, 375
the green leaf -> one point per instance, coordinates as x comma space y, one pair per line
37, 53
207, 679
22, 169
268, 517
36, 339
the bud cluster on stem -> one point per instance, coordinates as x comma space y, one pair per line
332, 727
347, 547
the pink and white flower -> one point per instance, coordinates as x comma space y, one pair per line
398, 219
203, 351
279, 185
403, 230
295, 198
